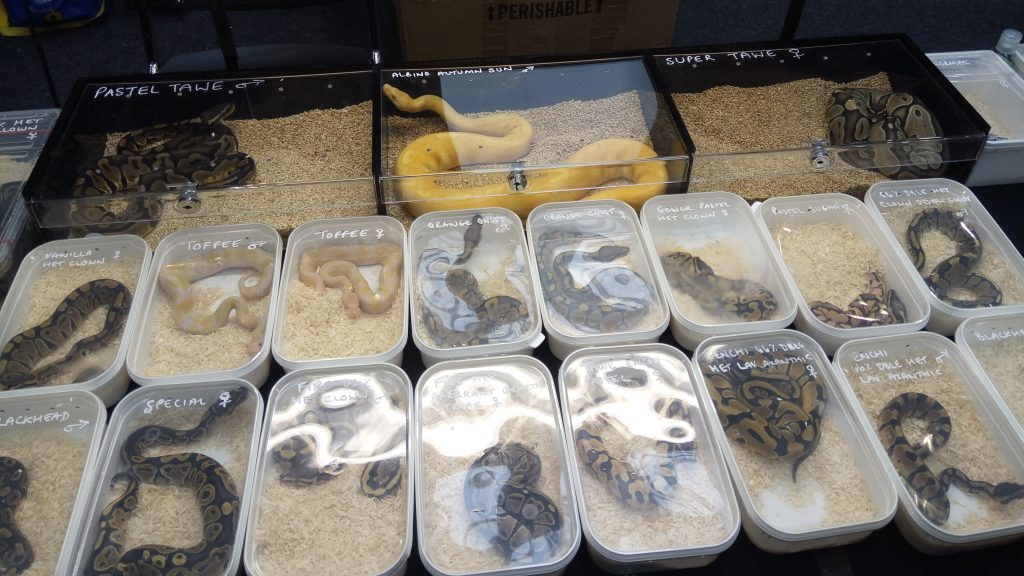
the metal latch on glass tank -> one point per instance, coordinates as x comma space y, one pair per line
188, 199
820, 157
516, 177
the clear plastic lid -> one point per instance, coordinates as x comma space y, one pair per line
714, 266
967, 265
50, 441
333, 482
198, 277
594, 272
652, 485
344, 296
991, 86
803, 470
71, 306
173, 481
493, 493
473, 294
996, 345
958, 465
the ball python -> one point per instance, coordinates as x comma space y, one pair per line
16, 554
211, 483
745, 299
337, 267
154, 159
614, 299
500, 492
21, 355
175, 280
877, 306
928, 489
454, 310
504, 138
770, 403
893, 133
953, 273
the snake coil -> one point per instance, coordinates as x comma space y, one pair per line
16, 554
954, 272
745, 299
878, 306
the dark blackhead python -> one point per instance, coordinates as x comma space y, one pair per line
891, 132
878, 306
614, 299
500, 492
954, 272
200, 150
745, 299
211, 483
16, 554
771, 403
454, 310
927, 488
22, 353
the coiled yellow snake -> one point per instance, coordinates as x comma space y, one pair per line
502, 138
338, 267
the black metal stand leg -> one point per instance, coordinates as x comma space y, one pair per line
147, 35
793, 15
42, 54
227, 40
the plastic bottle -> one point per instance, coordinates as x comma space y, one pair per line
1008, 47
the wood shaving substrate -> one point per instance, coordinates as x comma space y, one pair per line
776, 117
1003, 362
971, 447
173, 351
937, 247
54, 463
170, 515
47, 292
559, 130
315, 146
829, 261
452, 543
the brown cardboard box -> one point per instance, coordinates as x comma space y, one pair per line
459, 29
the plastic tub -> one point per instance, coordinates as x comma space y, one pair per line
70, 271
499, 317
172, 515
874, 372
51, 439
473, 415
832, 491
834, 252
895, 205
718, 228
596, 278
635, 408
314, 328
163, 352
355, 504
994, 346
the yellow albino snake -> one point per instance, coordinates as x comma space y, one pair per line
337, 267
501, 138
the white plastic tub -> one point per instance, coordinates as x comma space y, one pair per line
52, 273
894, 205
449, 325
635, 408
314, 329
719, 228
834, 493
596, 246
232, 411
994, 346
53, 438
304, 523
164, 353
469, 409
830, 244
982, 442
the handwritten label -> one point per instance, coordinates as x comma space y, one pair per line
76, 258
341, 397
482, 391
129, 91
815, 209
724, 360
163, 403
878, 366
31, 419
997, 335
499, 223
341, 234
461, 71
21, 131
700, 211
694, 60
195, 245
584, 213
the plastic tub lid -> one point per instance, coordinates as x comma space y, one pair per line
995, 347
472, 417
994, 89
631, 411
334, 449
314, 326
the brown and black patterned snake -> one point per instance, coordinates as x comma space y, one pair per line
211, 483
501, 493
16, 554
953, 273
893, 133
199, 150
745, 299
771, 403
927, 488
22, 353
877, 306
